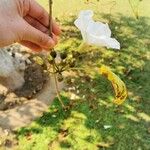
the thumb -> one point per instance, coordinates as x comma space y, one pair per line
34, 35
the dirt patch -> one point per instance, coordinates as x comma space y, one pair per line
21, 107
35, 77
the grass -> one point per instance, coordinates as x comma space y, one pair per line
90, 95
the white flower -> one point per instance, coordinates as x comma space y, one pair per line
95, 33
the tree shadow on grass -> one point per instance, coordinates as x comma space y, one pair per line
129, 122
131, 32
134, 56
52, 118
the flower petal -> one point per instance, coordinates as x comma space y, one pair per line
103, 41
83, 22
112, 43
96, 33
99, 29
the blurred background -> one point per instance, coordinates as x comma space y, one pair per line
69, 7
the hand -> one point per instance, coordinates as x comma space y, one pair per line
26, 22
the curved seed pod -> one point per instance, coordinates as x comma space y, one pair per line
118, 85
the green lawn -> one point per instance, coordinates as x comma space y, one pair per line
90, 97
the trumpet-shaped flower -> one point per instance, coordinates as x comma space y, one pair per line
95, 33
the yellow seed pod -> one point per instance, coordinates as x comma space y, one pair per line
118, 85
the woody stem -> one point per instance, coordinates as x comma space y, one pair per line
50, 17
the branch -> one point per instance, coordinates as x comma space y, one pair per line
57, 89
50, 17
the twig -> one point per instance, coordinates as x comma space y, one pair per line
135, 12
57, 89
114, 3
54, 65
50, 17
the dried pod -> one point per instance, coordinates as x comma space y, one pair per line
53, 54
63, 55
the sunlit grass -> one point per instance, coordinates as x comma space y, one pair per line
90, 95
